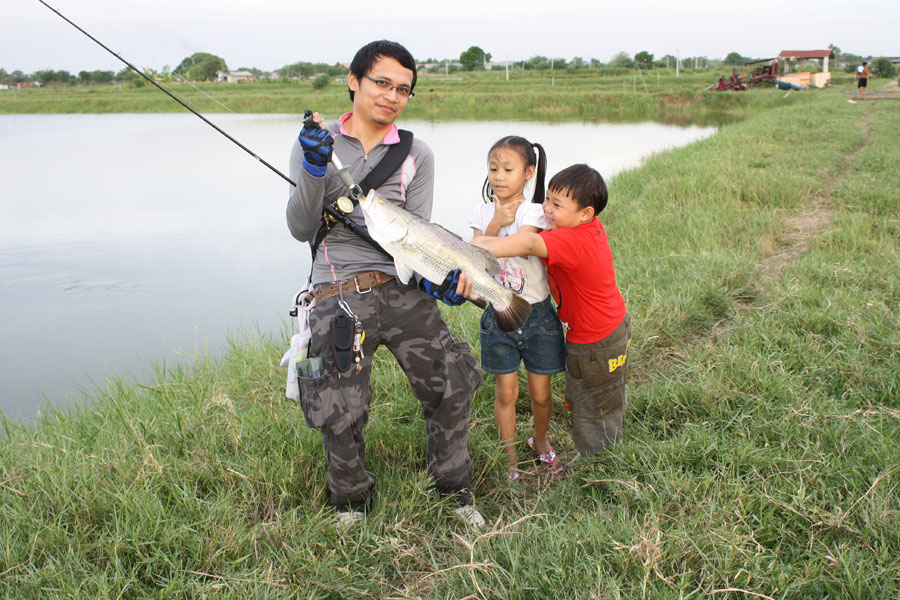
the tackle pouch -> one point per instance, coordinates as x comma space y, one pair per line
342, 331
300, 308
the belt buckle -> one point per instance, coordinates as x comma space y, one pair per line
359, 291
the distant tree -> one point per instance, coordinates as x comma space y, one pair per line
4, 76
201, 66
667, 61
850, 61
595, 62
577, 63
537, 63
735, 59
643, 59
337, 70
836, 50
95, 77
882, 67
49, 76
473, 58
126, 75
558, 63
621, 59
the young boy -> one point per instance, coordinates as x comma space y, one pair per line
580, 270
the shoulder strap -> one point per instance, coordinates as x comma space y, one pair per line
395, 156
391, 161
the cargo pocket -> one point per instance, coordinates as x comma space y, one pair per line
311, 402
463, 370
322, 404
601, 372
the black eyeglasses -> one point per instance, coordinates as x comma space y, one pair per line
386, 86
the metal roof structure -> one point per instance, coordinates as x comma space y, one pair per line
806, 54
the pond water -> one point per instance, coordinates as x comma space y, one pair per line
140, 239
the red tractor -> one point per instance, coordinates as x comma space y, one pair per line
735, 83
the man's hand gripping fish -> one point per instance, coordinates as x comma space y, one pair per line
432, 251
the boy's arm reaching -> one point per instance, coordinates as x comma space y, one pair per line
525, 243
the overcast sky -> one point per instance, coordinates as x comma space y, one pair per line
268, 34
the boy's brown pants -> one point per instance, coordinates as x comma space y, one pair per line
595, 388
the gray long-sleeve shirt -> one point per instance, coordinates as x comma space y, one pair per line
343, 253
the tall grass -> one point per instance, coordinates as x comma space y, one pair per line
606, 95
761, 457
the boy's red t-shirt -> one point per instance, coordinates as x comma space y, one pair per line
583, 281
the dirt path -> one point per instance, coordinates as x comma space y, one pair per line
791, 243
783, 249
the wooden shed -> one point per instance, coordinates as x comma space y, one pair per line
805, 78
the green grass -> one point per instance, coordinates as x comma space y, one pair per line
610, 94
762, 448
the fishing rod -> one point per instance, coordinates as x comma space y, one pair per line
170, 94
337, 211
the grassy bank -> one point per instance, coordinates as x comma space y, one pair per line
761, 457
614, 96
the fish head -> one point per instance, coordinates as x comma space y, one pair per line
385, 221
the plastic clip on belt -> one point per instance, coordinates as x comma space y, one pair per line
361, 283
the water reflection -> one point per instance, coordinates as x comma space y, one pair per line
132, 239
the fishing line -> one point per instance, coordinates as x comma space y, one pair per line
113, 33
191, 83
170, 94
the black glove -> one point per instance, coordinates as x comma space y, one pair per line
317, 146
446, 291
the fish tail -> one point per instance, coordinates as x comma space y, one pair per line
478, 301
513, 316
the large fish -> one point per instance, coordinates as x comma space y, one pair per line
432, 251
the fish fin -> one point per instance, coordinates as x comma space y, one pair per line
515, 315
404, 273
456, 235
492, 266
478, 301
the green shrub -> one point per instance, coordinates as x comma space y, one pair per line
882, 67
321, 81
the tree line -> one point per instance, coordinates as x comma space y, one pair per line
204, 66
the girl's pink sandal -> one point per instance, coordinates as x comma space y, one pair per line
553, 463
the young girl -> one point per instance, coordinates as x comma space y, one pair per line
513, 163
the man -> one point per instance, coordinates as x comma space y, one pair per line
862, 77
356, 283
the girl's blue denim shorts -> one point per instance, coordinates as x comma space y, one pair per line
540, 343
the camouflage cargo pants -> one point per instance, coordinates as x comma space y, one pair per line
595, 388
442, 371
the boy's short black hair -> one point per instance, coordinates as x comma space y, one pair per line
584, 184
371, 52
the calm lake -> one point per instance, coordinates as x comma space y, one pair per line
133, 240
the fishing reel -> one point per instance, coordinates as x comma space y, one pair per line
338, 210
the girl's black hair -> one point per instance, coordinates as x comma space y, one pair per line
526, 151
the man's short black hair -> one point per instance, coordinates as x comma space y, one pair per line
371, 52
583, 184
